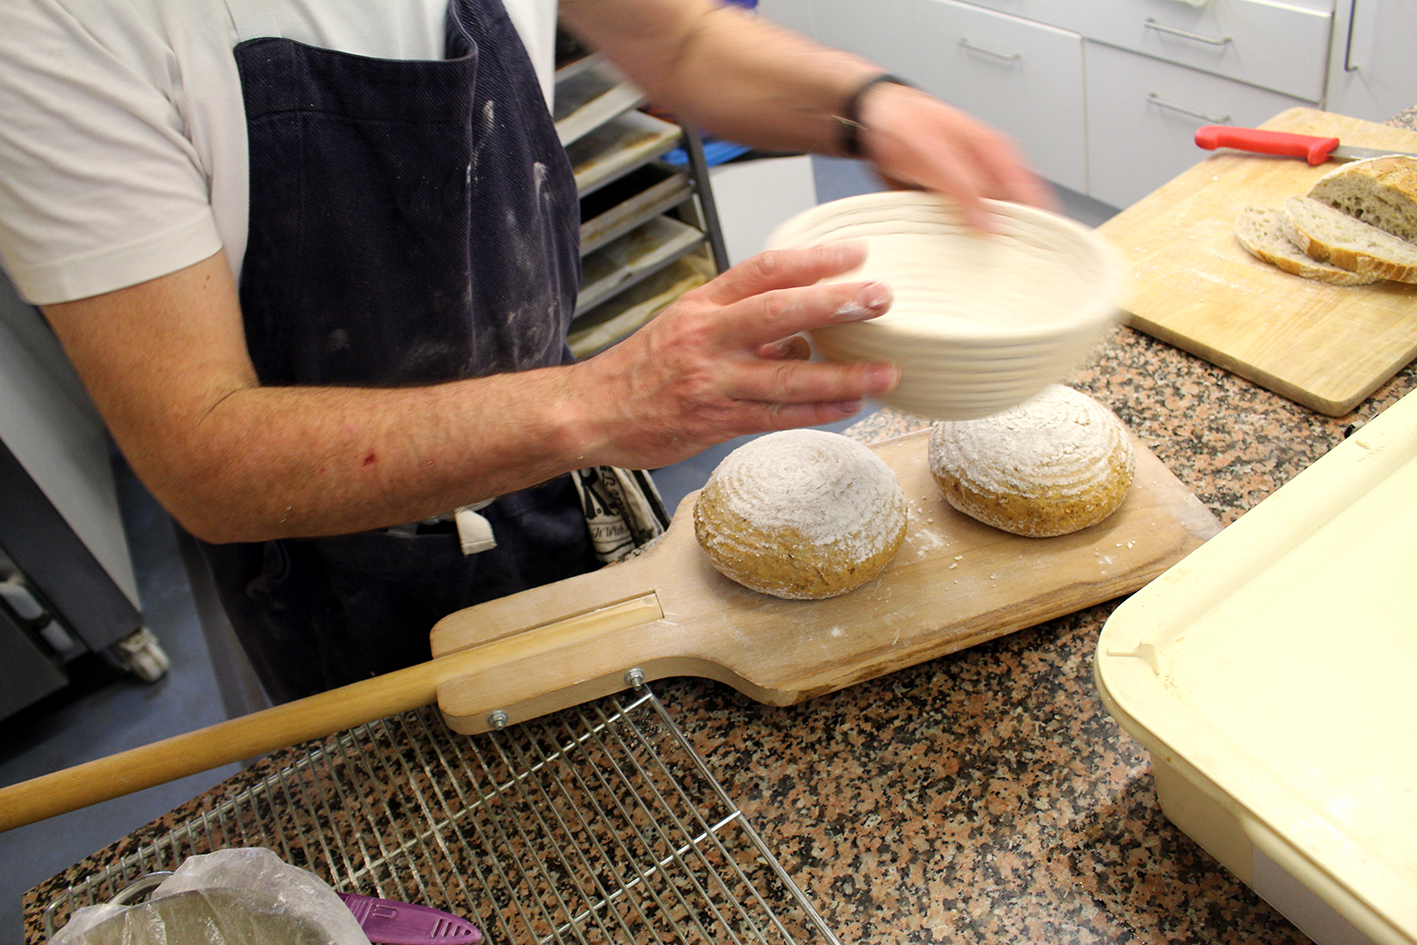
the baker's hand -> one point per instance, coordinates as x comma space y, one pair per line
916, 140
722, 361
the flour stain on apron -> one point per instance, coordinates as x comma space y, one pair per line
532, 322
489, 121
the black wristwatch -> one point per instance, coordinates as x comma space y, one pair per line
850, 117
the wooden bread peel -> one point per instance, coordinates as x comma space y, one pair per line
953, 583
667, 612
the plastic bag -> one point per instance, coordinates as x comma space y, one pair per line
232, 897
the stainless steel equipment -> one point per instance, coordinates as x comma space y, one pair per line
66, 579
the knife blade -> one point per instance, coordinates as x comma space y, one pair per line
1312, 148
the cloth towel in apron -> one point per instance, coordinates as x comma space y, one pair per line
411, 222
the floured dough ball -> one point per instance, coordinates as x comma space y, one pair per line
1055, 464
801, 514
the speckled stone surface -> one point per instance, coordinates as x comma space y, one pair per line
987, 796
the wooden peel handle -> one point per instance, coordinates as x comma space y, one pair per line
224, 743
283, 725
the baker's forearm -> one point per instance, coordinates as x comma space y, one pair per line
711, 367
734, 74
747, 80
298, 462
166, 363
167, 366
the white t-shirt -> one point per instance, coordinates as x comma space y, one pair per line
123, 134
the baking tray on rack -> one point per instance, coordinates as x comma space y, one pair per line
619, 146
588, 94
597, 824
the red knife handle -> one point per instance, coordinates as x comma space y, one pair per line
1313, 149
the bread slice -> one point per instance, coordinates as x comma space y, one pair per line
1261, 231
1379, 191
1333, 236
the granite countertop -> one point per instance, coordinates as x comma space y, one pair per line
987, 796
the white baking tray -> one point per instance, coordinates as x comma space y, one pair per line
1272, 675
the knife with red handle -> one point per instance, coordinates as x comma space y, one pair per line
1314, 149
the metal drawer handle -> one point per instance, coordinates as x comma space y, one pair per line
988, 52
1163, 28
1348, 65
1208, 119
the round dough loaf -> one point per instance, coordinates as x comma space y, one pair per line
1055, 464
801, 514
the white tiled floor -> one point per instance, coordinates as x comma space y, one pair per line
105, 712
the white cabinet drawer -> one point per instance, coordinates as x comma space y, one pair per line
1047, 12
1141, 130
876, 29
1274, 45
1023, 78
1373, 70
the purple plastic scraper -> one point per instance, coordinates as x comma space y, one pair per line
402, 923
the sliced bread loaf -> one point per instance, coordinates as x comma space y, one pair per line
1333, 236
1261, 231
1380, 191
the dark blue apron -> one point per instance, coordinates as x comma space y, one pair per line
411, 222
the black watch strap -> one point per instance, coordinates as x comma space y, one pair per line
850, 117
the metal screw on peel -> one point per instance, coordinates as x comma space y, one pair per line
497, 719
635, 678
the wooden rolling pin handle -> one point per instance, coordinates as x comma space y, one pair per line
224, 743
279, 726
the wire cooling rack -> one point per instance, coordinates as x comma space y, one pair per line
598, 824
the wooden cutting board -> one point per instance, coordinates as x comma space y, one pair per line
1193, 286
667, 612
